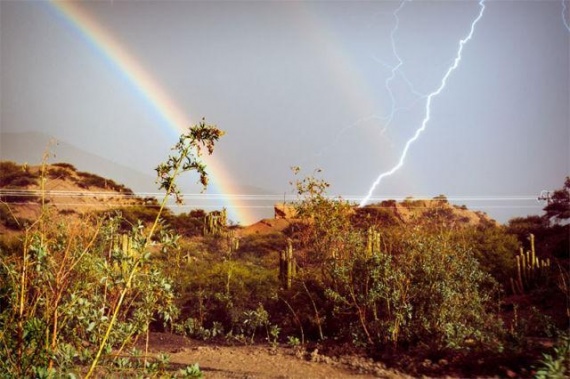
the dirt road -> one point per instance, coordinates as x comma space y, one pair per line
263, 362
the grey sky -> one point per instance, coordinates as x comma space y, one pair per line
303, 83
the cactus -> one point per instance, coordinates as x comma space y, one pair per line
287, 265
372, 242
122, 242
127, 244
215, 222
531, 270
232, 242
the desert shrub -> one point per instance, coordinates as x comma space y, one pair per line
323, 235
131, 215
61, 289
216, 286
493, 248
492, 245
188, 224
441, 199
262, 245
556, 364
76, 289
9, 219
17, 197
14, 175
87, 180
409, 202
64, 165
58, 172
439, 216
375, 215
221, 291
450, 296
399, 287
425, 290
552, 240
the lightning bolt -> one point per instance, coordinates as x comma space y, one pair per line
428, 106
564, 15
395, 71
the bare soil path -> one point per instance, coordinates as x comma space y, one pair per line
262, 361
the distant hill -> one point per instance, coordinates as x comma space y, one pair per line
72, 191
29, 147
422, 211
436, 212
66, 189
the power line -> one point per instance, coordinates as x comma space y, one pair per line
253, 197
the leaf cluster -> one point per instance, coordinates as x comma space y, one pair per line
186, 157
558, 207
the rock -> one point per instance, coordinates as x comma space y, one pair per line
314, 356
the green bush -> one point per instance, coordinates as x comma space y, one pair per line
451, 298
414, 286
187, 224
130, 216
75, 288
61, 289
262, 245
557, 364
493, 248
219, 292
425, 290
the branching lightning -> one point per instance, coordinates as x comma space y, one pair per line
564, 15
395, 71
428, 103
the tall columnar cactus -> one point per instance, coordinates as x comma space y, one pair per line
287, 265
214, 222
372, 242
122, 253
122, 242
531, 270
127, 244
232, 242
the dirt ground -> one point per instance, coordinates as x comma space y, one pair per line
262, 361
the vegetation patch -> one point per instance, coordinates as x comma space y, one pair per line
422, 285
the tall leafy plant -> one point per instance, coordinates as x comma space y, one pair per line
186, 157
74, 288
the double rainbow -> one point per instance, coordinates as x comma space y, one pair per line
142, 81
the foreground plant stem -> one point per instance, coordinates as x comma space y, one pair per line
177, 168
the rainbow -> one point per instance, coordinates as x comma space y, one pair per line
151, 90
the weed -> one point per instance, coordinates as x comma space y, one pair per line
556, 365
293, 341
191, 371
